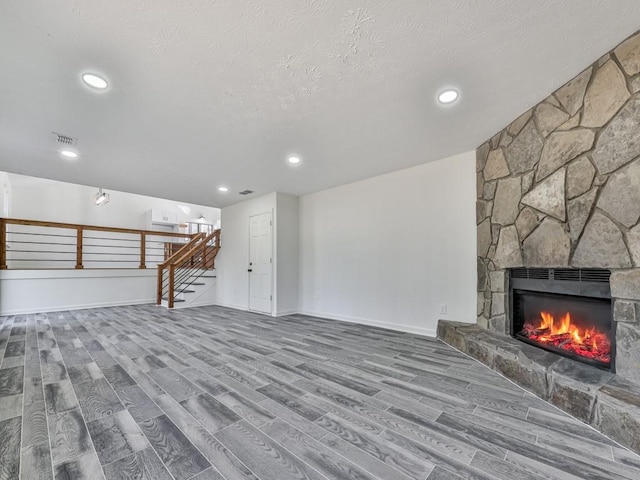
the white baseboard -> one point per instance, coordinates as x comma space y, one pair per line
62, 308
427, 332
244, 308
282, 313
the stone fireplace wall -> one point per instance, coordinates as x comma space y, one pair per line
560, 187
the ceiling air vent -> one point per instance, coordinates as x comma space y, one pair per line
65, 139
245, 192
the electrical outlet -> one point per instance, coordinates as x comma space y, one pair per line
443, 308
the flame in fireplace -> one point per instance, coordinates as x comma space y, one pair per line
564, 334
564, 326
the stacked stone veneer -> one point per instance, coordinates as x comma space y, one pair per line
560, 187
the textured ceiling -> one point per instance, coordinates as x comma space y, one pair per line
209, 92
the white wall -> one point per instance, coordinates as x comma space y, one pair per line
232, 261
49, 200
389, 250
29, 291
286, 245
5, 194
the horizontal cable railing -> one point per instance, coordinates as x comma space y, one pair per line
180, 271
32, 244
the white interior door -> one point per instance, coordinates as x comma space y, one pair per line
260, 263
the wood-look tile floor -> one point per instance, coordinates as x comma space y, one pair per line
141, 392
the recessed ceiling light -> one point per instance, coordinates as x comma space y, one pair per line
94, 81
69, 154
448, 96
223, 189
293, 160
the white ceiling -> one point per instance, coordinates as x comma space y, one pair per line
210, 92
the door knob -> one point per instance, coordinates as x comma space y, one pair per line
250, 270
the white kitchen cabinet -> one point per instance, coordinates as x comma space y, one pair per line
162, 220
163, 216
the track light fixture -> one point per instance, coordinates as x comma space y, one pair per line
101, 198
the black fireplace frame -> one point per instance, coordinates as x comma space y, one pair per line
577, 282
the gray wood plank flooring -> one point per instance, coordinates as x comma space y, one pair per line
140, 392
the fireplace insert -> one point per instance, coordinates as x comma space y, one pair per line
566, 311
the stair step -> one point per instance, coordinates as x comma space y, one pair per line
175, 300
184, 291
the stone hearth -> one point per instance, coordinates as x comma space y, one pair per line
560, 187
598, 398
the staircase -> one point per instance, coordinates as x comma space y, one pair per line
187, 278
196, 293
